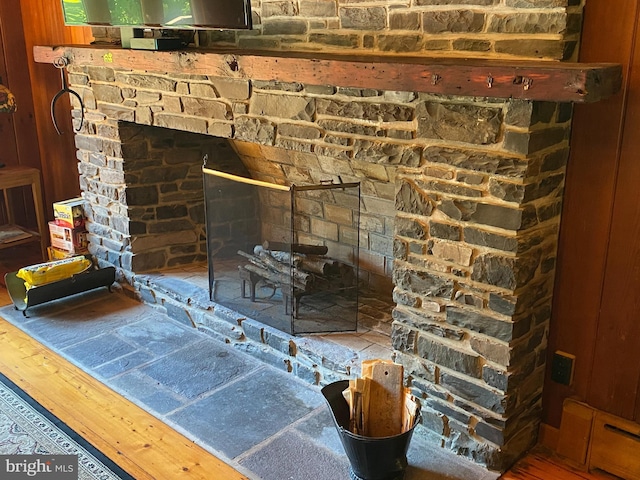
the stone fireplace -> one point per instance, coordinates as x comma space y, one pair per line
461, 166
460, 212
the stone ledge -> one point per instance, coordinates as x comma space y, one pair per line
313, 359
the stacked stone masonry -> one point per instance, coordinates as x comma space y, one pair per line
461, 197
546, 29
461, 202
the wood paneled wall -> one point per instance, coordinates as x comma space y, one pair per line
23, 24
596, 312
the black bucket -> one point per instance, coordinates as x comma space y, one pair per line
371, 458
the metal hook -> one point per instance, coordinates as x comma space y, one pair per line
489, 81
61, 63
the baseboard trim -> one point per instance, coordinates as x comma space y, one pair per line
548, 436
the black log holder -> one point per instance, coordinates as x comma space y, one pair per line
81, 282
370, 458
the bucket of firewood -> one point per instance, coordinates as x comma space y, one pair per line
374, 437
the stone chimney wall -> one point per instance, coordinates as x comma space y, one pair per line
544, 29
461, 196
461, 201
475, 243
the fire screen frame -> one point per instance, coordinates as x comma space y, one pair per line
343, 279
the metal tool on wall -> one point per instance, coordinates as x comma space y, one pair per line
61, 63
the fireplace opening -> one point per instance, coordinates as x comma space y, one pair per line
251, 205
284, 254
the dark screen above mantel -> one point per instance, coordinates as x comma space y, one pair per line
167, 14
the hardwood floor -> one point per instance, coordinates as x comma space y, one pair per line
138, 442
542, 464
135, 440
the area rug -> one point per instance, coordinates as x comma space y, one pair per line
27, 428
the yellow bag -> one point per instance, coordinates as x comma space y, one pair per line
48, 272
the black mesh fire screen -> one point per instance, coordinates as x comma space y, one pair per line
284, 255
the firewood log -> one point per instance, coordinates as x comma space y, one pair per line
281, 273
320, 265
296, 247
253, 259
284, 257
302, 277
276, 278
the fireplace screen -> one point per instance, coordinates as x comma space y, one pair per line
286, 256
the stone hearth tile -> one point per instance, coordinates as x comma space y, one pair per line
159, 335
247, 412
162, 403
320, 427
355, 342
199, 368
378, 338
94, 304
123, 364
226, 289
98, 350
440, 464
56, 308
376, 351
146, 392
292, 456
60, 327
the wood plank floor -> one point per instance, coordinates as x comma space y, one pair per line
137, 441
542, 464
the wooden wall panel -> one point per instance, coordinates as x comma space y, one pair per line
18, 130
17, 78
586, 223
44, 26
616, 365
9, 152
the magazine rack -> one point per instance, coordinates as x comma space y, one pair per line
81, 282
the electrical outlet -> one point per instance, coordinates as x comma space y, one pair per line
562, 367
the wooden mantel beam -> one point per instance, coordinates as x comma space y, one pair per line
528, 80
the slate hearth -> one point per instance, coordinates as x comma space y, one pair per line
317, 358
263, 422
